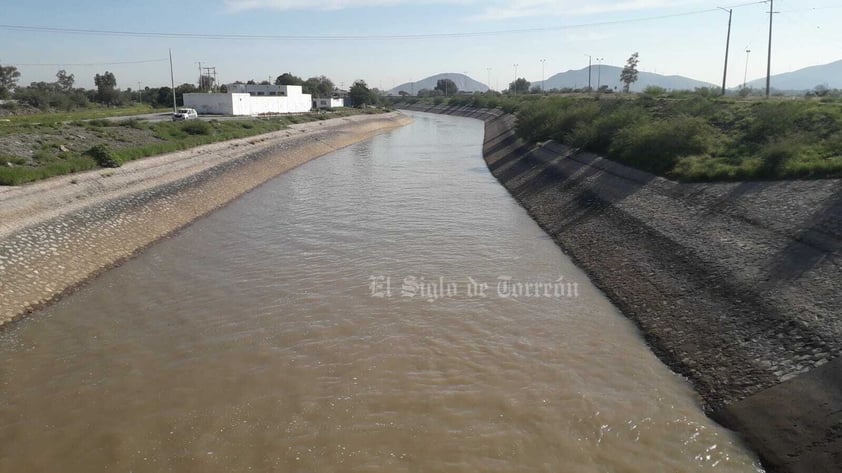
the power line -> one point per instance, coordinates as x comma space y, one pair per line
150, 34
92, 64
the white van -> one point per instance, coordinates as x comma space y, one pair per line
185, 114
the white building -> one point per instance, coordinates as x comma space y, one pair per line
328, 103
251, 99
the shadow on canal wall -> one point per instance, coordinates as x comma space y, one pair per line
737, 286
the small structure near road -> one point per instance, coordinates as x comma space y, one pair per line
328, 103
251, 100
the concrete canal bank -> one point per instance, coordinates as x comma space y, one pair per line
737, 286
56, 234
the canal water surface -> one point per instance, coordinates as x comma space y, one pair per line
385, 308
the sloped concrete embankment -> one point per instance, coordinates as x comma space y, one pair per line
737, 286
56, 234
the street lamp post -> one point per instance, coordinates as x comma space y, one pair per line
745, 75
543, 90
515, 82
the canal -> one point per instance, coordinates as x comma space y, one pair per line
385, 308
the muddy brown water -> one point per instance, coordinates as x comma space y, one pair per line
385, 308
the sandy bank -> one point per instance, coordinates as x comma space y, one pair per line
737, 286
58, 233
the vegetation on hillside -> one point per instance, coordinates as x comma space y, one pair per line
684, 135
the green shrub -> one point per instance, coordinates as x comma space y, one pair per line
768, 120
656, 146
131, 123
12, 159
13, 176
654, 90
775, 155
196, 127
98, 123
103, 156
609, 123
44, 155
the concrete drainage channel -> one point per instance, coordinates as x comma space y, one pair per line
737, 286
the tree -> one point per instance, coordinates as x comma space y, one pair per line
206, 82
288, 79
8, 80
628, 76
65, 81
447, 86
360, 94
184, 89
164, 97
520, 86
106, 87
319, 86
429, 93
821, 90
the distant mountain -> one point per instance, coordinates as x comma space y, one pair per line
463, 82
808, 78
610, 76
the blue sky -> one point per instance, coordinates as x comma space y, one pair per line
692, 45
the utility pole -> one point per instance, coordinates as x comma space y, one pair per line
769, 60
205, 77
590, 63
201, 82
172, 82
139, 94
727, 48
543, 91
489, 78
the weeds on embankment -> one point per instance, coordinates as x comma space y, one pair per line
30, 151
687, 136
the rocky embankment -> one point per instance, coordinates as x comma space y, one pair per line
58, 233
737, 286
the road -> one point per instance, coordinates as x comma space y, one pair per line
167, 116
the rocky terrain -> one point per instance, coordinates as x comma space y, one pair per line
737, 286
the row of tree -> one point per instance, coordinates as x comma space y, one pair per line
62, 95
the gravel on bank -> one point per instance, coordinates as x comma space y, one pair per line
58, 233
737, 286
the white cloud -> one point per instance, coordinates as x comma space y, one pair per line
486, 10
